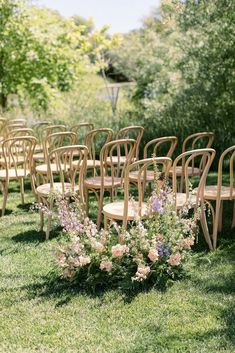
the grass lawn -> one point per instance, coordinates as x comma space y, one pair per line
196, 314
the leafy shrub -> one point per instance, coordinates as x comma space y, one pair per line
184, 71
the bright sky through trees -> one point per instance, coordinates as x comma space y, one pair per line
121, 15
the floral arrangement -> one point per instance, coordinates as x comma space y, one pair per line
150, 250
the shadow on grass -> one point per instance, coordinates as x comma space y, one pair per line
54, 286
25, 206
34, 236
7, 212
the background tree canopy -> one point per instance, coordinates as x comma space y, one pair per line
42, 53
184, 65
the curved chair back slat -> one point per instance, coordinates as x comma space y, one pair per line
132, 132
167, 143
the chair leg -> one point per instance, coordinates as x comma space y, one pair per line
221, 217
106, 223
205, 228
5, 195
216, 223
233, 222
86, 197
49, 220
100, 208
41, 217
22, 190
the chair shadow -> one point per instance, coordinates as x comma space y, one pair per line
34, 236
7, 212
25, 206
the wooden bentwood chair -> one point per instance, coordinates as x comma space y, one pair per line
220, 193
166, 146
129, 132
111, 174
71, 178
53, 141
40, 157
129, 210
192, 198
81, 130
195, 141
17, 155
95, 140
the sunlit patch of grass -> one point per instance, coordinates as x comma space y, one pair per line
39, 312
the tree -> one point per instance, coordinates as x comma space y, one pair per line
42, 53
184, 69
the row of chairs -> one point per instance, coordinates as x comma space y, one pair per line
118, 162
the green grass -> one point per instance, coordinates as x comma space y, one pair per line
39, 313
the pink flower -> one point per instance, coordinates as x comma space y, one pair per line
187, 243
175, 259
84, 260
61, 260
153, 255
106, 265
141, 273
98, 247
118, 250
75, 246
67, 273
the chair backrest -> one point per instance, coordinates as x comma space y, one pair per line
26, 131
206, 156
10, 127
198, 140
227, 155
110, 159
81, 130
59, 139
166, 145
68, 172
18, 152
96, 139
132, 132
160, 165
37, 127
46, 131
18, 121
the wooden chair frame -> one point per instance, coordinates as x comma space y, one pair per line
111, 174
76, 128
190, 144
125, 133
90, 142
154, 146
64, 157
219, 193
43, 133
195, 198
52, 142
142, 167
17, 154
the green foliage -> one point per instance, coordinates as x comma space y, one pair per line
43, 53
184, 70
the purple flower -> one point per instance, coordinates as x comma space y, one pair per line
157, 204
163, 249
